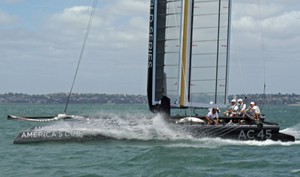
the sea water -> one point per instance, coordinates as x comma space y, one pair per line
144, 145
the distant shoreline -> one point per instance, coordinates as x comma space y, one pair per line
97, 98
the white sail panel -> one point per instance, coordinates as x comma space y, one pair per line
172, 50
209, 52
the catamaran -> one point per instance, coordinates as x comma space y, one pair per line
188, 61
188, 66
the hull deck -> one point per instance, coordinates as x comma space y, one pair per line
227, 130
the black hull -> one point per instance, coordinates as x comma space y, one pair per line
224, 131
237, 128
236, 132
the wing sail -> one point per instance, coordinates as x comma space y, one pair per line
188, 52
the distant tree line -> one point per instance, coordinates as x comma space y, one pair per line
61, 98
271, 99
95, 98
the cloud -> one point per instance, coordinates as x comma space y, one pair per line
281, 26
42, 51
120, 27
7, 19
265, 39
284, 26
129, 8
71, 18
13, 1
114, 54
274, 26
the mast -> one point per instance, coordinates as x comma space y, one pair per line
228, 48
185, 51
218, 46
191, 51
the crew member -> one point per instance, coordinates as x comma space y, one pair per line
233, 109
212, 117
242, 107
254, 110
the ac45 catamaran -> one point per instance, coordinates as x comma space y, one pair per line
188, 59
187, 68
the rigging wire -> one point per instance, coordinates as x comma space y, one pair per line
263, 98
173, 6
92, 14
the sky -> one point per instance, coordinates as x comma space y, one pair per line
41, 43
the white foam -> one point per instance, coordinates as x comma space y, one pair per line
147, 127
295, 171
294, 130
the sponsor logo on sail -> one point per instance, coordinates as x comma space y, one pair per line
151, 35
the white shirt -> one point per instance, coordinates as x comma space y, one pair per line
211, 116
256, 109
242, 107
234, 107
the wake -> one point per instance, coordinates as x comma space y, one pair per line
125, 127
294, 130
